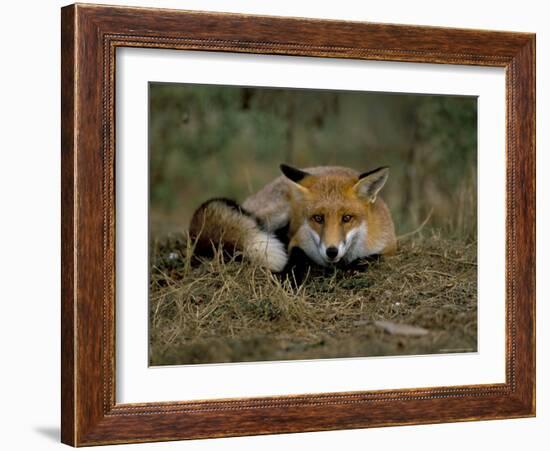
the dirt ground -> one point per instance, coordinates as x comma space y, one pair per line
423, 300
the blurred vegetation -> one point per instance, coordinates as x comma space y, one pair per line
212, 141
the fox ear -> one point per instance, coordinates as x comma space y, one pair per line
371, 182
295, 176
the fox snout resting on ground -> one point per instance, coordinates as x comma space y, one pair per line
325, 215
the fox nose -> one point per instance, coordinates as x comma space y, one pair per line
332, 252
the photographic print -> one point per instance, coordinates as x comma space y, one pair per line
277, 232
291, 224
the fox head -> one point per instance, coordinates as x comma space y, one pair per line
329, 212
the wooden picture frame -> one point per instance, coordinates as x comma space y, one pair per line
90, 36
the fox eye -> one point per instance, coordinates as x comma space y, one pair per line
319, 219
346, 218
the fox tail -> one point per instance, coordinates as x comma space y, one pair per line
223, 223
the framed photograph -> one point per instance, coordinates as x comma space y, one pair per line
279, 225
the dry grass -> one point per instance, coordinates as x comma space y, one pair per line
234, 312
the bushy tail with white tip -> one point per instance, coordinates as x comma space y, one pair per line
222, 223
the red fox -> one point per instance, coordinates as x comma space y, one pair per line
327, 214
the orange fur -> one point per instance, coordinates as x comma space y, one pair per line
333, 196
332, 213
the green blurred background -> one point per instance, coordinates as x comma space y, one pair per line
226, 141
